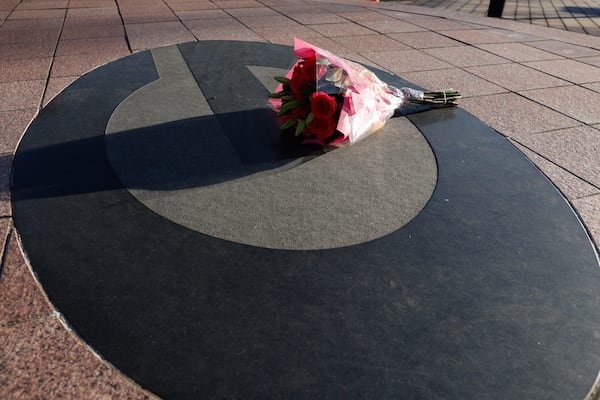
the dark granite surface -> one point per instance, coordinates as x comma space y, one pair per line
491, 291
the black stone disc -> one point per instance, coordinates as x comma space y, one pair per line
491, 291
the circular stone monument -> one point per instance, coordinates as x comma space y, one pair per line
205, 257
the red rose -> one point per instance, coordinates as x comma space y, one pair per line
296, 82
322, 127
300, 112
323, 105
309, 70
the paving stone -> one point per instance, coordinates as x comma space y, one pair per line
518, 52
188, 15
21, 95
595, 60
577, 150
191, 5
79, 64
515, 116
113, 45
25, 69
286, 36
42, 4
589, 209
361, 16
15, 51
468, 84
222, 29
437, 24
481, 36
37, 14
157, 34
465, 56
260, 21
64, 367
565, 49
569, 70
317, 19
406, 60
55, 86
12, 127
424, 40
516, 77
394, 26
143, 17
237, 3
81, 30
575, 101
570, 185
370, 43
593, 86
21, 297
343, 29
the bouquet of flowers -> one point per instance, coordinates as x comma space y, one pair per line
332, 101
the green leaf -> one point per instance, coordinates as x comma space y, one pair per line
275, 95
309, 118
282, 79
282, 112
288, 124
300, 127
290, 105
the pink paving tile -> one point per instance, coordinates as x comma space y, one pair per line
593, 86
12, 127
362, 16
191, 5
343, 29
17, 51
145, 36
406, 61
277, 20
392, 26
465, 56
515, 116
590, 60
115, 45
21, 297
30, 31
565, 49
83, 30
575, 101
21, 95
480, 36
518, 52
286, 36
5, 168
55, 86
237, 3
424, 40
437, 24
222, 29
570, 70
516, 77
5, 225
575, 149
37, 14
100, 13
469, 85
67, 66
42, 4
200, 14
321, 18
42, 359
370, 43
26, 69
253, 12
91, 4
570, 185
589, 209
331, 45
142, 17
